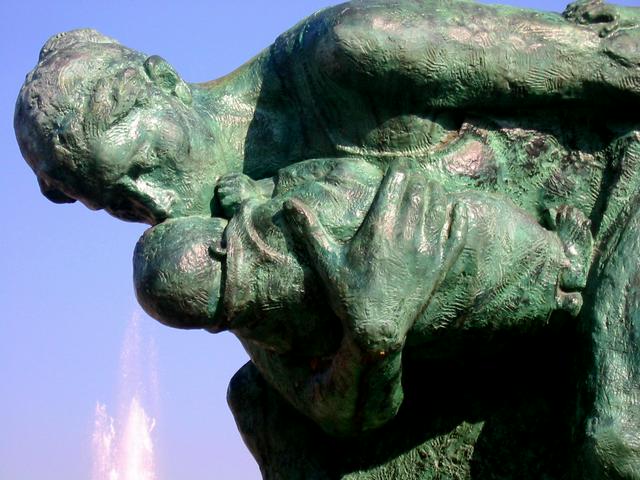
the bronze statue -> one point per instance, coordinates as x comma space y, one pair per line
418, 217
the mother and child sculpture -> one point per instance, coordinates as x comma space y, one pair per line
420, 218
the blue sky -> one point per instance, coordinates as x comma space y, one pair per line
66, 293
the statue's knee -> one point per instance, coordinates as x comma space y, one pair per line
245, 390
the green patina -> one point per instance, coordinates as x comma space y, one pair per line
419, 217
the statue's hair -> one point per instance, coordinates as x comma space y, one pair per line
49, 114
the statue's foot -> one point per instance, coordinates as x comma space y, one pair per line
594, 12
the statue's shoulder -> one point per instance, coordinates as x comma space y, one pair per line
336, 171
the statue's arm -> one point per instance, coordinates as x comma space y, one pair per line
512, 275
376, 284
233, 189
356, 385
379, 282
347, 393
462, 54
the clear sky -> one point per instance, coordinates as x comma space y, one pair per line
66, 293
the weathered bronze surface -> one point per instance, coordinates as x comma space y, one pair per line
421, 219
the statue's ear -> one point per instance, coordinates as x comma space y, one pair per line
165, 76
52, 193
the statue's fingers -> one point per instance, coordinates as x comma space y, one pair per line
437, 216
384, 212
413, 211
307, 230
456, 236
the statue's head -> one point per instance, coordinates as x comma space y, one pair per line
177, 275
114, 129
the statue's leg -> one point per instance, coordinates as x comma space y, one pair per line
286, 445
611, 390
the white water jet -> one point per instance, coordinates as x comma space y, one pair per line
123, 447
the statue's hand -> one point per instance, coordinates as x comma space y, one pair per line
234, 189
574, 231
381, 280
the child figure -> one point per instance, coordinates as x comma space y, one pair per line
403, 263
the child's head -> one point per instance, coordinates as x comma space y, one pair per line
115, 129
178, 275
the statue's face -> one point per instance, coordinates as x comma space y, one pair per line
136, 155
147, 148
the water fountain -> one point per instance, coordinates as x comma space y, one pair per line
123, 447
